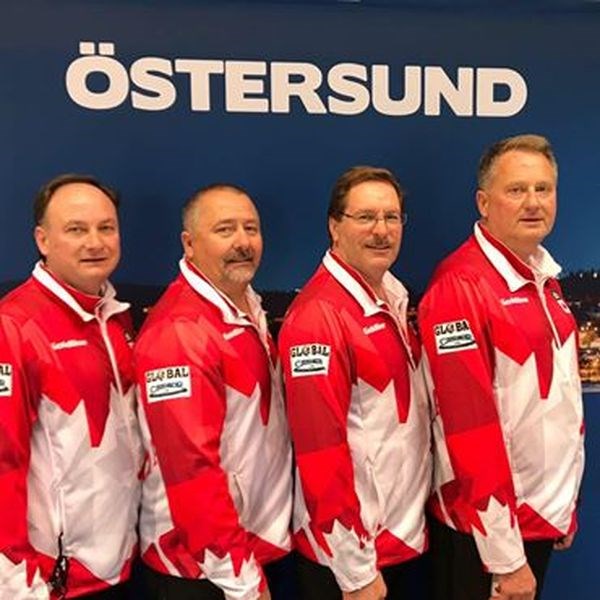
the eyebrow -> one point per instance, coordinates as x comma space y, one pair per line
79, 222
234, 221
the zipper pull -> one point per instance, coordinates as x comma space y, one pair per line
58, 579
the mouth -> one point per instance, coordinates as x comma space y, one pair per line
235, 262
93, 261
378, 247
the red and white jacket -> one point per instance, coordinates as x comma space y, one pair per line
217, 499
508, 431
359, 420
70, 453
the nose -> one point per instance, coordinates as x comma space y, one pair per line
93, 239
532, 199
242, 239
380, 225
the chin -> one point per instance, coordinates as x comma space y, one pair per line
241, 275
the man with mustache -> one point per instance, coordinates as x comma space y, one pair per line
357, 405
508, 429
216, 502
70, 453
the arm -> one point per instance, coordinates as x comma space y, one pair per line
477, 492
318, 399
19, 573
186, 422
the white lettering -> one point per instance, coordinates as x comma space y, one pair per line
199, 72
296, 79
239, 85
345, 79
488, 80
409, 104
438, 85
76, 78
96, 80
146, 73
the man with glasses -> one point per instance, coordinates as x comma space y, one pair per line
357, 405
502, 345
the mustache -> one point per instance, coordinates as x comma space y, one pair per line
379, 242
239, 255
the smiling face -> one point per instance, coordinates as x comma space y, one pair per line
223, 239
369, 247
518, 202
79, 237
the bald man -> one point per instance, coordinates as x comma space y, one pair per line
217, 499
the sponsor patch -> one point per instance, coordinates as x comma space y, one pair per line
66, 344
168, 383
373, 328
5, 380
514, 300
454, 336
309, 359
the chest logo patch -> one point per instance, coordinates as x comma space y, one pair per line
454, 336
168, 383
561, 302
5, 380
309, 359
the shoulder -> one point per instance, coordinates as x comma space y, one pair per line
25, 303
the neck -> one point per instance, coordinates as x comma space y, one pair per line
376, 284
238, 297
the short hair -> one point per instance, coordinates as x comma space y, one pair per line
528, 142
44, 195
353, 177
189, 205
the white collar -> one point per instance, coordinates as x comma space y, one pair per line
108, 305
542, 265
232, 315
363, 294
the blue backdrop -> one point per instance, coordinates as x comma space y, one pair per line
288, 161
181, 94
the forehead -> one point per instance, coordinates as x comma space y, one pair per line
224, 205
376, 195
81, 202
521, 164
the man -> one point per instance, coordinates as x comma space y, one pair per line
69, 448
502, 345
357, 404
217, 500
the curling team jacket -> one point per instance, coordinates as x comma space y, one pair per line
359, 421
508, 430
217, 498
70, 453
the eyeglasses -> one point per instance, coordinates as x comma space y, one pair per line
370, 219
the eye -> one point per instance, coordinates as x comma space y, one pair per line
107, 228
543, 189
392, 218
251, 229
76, 229
516, 190
225, 230
365, 218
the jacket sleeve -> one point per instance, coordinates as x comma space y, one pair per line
474, 479
19, 573
179, 373
319, 373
